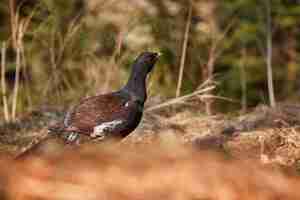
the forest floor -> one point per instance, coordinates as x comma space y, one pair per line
265, 136
264, 133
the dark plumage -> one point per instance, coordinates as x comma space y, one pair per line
117, 113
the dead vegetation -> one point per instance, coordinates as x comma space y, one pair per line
264, 131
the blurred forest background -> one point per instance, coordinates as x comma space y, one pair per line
54, 52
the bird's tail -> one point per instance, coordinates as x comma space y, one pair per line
37, 145
31, 149
48, 145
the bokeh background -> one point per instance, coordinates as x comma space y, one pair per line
55, 52
61, 51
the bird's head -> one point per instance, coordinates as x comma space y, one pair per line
147, 60
137, 81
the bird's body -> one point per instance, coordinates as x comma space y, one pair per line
115, 114
95, 116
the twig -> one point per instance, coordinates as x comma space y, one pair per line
13, 22
221, 38
57, 53
180, 99
213, 54
184, 48
17, 35
3, 83
269, 55
20, 27
26, 23
17, 83
204, 96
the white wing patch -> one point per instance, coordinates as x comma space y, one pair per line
100, 130
72, 137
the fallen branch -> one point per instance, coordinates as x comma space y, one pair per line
180, 99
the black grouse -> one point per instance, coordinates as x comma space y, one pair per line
115, 114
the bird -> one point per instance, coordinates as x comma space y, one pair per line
114, 114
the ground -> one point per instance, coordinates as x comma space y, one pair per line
264, 133
262, 137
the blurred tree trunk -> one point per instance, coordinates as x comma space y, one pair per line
184, 48
207, 12
270, 55
290, 49
243, 75
207, 73
13, 26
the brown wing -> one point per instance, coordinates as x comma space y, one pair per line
95, 110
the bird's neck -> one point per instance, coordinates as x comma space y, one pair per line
136, 84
